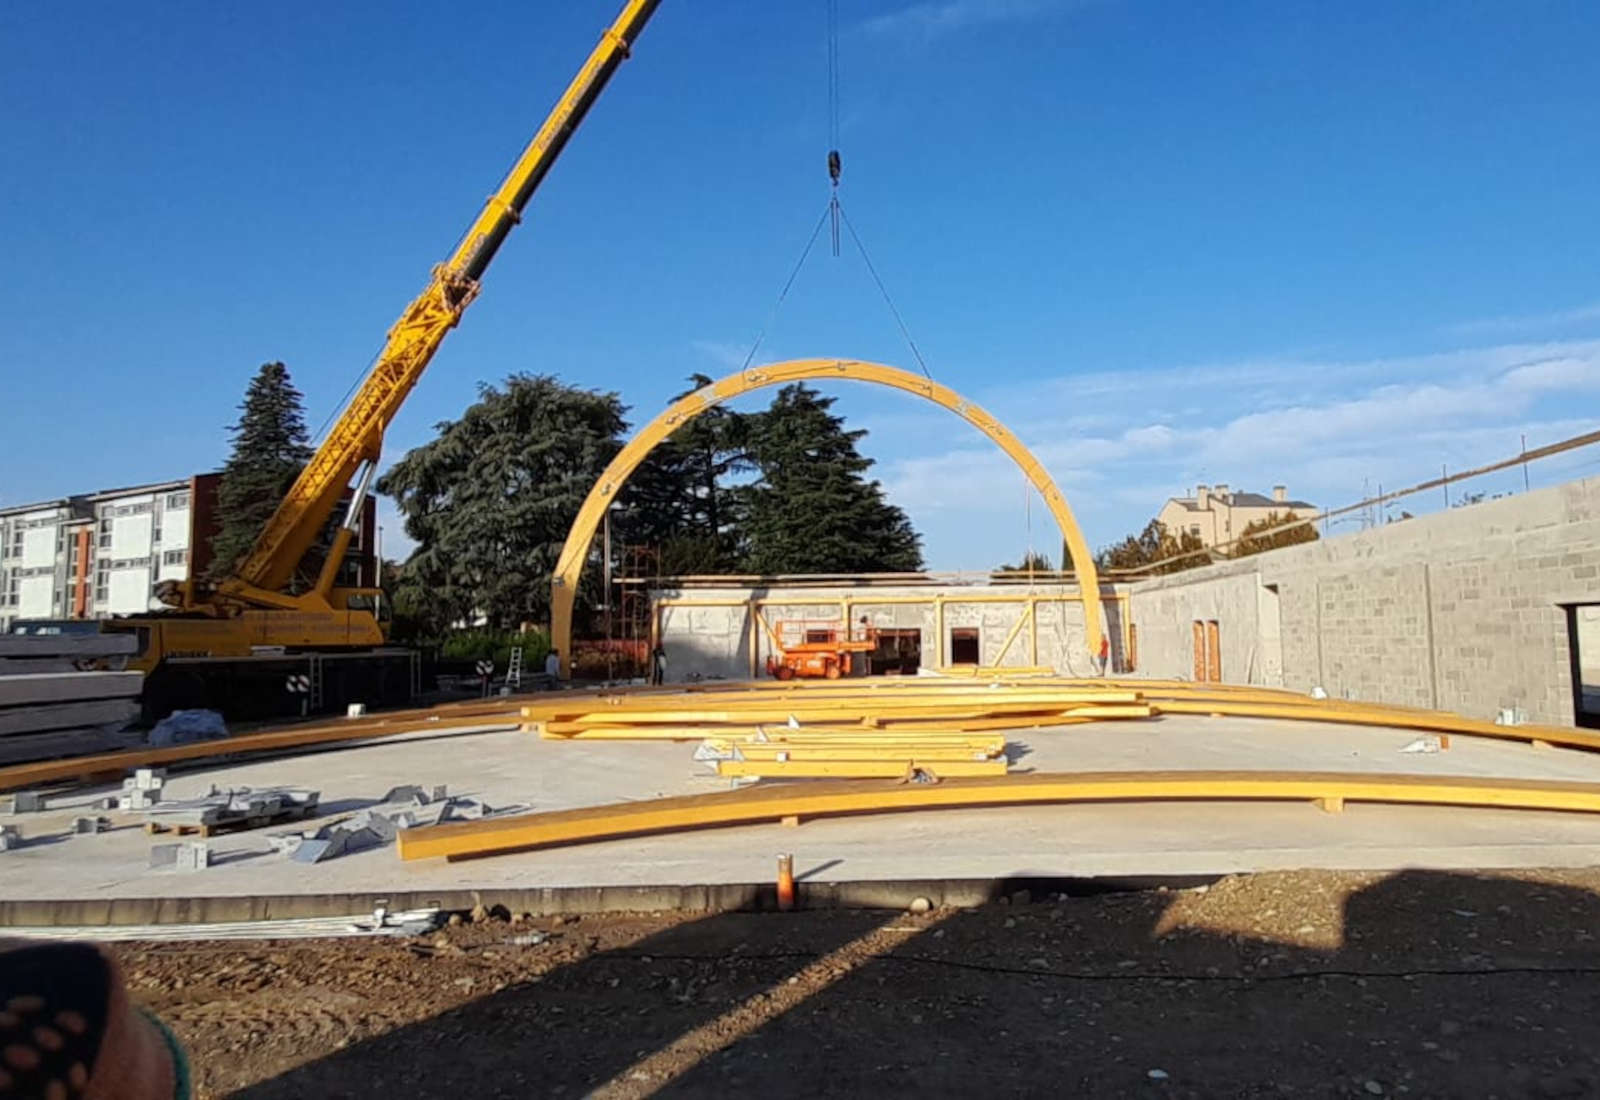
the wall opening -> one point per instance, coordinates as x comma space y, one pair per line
1269, 628
1583, 647
964, 648
899, 653
1207, 651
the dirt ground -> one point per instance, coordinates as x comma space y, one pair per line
1303, 984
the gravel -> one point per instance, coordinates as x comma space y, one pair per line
1289, 984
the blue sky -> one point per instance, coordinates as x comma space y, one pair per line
1330, 245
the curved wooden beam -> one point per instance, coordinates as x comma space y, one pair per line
569, 567
1330, 790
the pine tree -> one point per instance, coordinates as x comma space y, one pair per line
812, 509
678, 502
270, 445
490, 501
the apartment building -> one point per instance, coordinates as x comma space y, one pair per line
101, 554
1216, 515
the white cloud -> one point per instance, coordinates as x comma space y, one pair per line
1527, 322
1326, 429
931, 19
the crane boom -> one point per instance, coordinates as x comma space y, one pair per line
356, 438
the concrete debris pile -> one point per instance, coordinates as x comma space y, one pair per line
66, 695
240, 807
406, 807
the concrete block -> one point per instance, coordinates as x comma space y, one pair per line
67, 687
27, 802
15, 720
88, 826
10, 838
188, 855
134, 799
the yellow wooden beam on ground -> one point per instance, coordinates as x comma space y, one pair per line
901, 753
459, 840
499, 716
1397, 717
893, 738
856, 769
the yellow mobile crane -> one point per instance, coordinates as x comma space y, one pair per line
210, 628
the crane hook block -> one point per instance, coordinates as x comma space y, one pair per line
834, 166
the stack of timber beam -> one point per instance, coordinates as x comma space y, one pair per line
942, 707
853, 753
998, 700
64, 695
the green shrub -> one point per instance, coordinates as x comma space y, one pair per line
475, 645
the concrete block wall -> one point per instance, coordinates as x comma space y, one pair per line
1462, 611
707, 631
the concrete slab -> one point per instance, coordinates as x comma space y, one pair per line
67, 687
1130, 840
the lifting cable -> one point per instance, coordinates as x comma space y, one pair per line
834, 215
835, 164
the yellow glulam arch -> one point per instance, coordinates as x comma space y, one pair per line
564, 584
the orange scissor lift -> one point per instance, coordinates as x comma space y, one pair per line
817, 648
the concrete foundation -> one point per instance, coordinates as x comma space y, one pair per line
107, 876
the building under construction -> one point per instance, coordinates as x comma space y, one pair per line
1485, 610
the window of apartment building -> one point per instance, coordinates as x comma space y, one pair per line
1194, 529
16, 540
176, 501
102, 585
134, 509
130, 563
13, 590
174, 557
105, 532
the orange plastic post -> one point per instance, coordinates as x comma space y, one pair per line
785, 883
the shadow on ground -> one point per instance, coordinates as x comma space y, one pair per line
1421, 983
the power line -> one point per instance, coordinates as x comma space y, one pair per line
904, 331
1448, 479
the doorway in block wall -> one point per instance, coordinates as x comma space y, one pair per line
1583, 649
899, 653
964, 645
1207, 635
